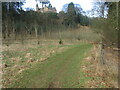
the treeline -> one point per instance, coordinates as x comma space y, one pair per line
73, 15
107, 23
19, 22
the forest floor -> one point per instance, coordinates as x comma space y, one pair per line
66, 68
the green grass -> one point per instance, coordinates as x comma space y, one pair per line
60, 70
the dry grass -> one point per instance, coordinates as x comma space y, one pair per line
68, 36
15, 62
18, 56
100, 75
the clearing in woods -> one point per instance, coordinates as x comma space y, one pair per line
59, 71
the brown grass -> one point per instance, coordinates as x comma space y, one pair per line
101, 76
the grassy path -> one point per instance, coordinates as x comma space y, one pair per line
59, 71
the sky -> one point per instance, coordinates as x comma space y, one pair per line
85, 4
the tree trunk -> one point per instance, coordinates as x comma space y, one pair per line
36, 34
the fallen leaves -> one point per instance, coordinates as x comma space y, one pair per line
24, 59
1, 55
21, 70
28, 55
42, 59
97, 79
